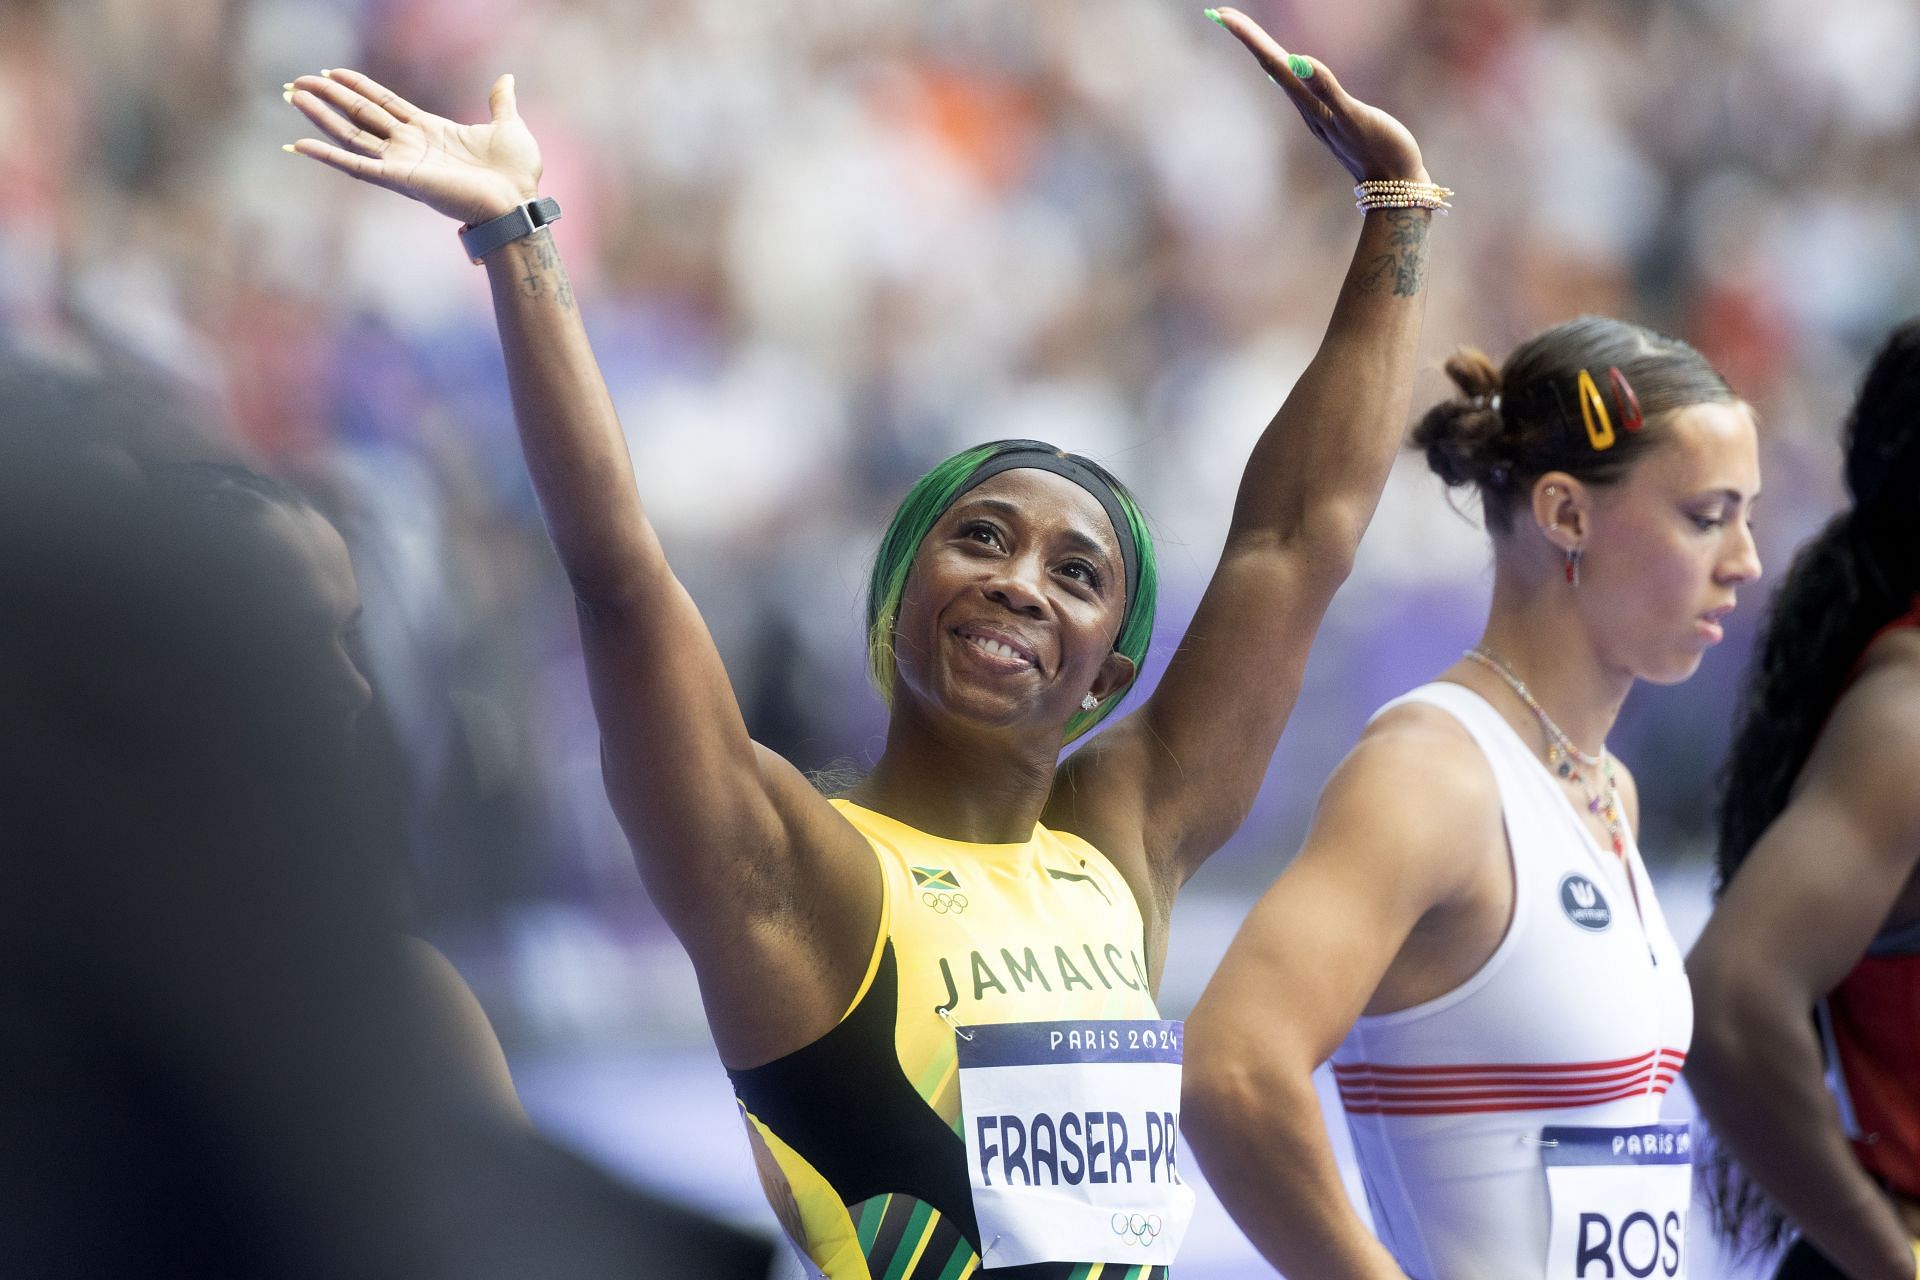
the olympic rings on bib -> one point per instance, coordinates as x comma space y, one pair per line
1136, 1228
944, 903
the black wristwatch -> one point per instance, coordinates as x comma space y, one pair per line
521, 220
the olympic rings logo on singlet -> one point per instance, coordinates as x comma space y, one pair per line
1136, 1228
939, 889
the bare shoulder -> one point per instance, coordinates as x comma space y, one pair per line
787, 858
779, 914
1422, 753
819, 914
1833, 865
450, 1000
1870, 748
825, 843
461, 1050
1891, 662
1088, 801
1415, 791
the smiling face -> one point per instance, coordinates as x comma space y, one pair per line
1012, 605
1670, 544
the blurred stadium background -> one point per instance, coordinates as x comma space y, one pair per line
820, 244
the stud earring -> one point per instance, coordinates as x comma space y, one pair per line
1089, 703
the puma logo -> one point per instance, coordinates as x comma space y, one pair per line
1083, 879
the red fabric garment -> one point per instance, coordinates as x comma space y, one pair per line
1874, 1016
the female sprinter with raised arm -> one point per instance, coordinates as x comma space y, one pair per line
935, 995
1808, 976
1469, 932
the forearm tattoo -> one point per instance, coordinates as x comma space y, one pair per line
1403, 268
541, 273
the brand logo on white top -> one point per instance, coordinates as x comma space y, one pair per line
1584, 904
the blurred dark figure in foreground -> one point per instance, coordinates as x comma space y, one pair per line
318, 612
217, 1058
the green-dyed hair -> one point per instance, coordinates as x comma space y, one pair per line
922, 508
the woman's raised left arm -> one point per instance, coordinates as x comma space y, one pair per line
1187, 764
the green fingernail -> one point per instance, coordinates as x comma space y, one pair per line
1213, 15
1299, 66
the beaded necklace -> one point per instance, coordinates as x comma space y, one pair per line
1563, 756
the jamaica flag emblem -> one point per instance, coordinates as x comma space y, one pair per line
939, 890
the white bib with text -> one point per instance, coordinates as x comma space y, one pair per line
1619, 1199
1071, 1130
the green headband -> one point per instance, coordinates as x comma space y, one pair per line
936, 492
1035, 456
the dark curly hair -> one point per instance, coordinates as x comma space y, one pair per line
1510, 426
1859, 574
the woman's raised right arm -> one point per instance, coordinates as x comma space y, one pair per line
716, 822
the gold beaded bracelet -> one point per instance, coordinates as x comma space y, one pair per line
1398, 193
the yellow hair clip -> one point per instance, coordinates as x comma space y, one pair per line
1592, 407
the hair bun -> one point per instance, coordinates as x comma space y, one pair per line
1462, 437
1473, 373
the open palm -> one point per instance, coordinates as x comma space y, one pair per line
471, 172
1367, 141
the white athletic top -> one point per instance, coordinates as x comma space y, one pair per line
1582, 1016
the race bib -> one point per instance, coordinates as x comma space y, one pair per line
1071, 1131
1619, 1199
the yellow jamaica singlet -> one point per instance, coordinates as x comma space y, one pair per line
858, 1135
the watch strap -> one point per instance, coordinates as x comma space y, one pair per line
521, 220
